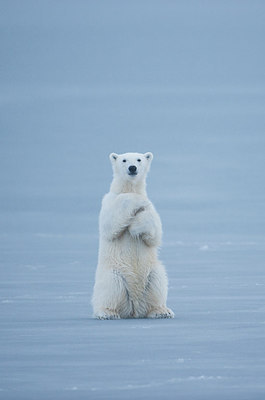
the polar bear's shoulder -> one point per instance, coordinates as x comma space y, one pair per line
108, 198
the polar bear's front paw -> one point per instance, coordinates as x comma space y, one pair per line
132, 203
145, 229
135, 230
138, 210
150, 239
161, 313
107, 314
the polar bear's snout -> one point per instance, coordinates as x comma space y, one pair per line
132, 170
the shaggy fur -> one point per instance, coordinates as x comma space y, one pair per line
130, 280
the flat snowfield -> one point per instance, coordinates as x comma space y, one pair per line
82, 79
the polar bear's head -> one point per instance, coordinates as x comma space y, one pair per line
130, 168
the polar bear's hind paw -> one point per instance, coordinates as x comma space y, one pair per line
107, 314
167, 313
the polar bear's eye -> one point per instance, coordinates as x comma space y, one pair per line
139, 160
124, 160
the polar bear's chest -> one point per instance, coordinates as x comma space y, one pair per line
130, 251
130, 254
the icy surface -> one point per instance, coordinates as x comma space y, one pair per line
185, 80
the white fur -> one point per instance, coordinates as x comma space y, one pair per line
130, 280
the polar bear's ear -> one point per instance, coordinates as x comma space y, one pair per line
149, 156
113, 157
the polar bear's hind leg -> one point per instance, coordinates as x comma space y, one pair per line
156, 294
110, 299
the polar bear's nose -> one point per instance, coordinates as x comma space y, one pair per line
132, 169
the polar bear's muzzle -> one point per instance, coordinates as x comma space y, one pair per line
132, 170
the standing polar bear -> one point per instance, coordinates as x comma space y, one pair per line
130, 280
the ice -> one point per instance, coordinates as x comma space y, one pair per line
184, 80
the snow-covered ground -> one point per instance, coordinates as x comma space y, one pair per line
185, 80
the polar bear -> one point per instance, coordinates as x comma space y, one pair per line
130, 281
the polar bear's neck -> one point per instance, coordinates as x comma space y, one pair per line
118, 186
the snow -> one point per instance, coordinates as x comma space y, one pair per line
184, 80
